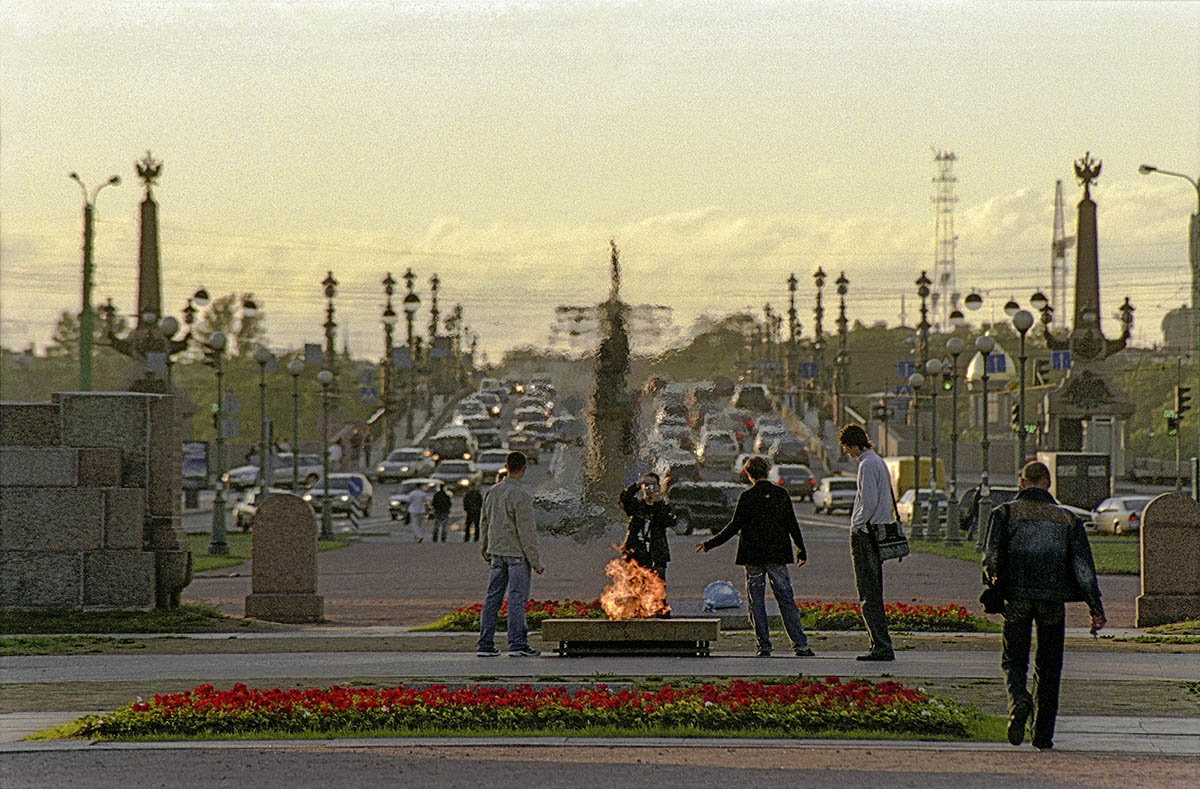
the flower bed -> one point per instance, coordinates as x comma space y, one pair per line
467, 617
818, 615
950, 618
790, 709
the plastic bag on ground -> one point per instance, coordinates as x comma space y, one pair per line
721, 594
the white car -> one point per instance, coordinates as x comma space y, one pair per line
905, 505
405, 463
490, 462
243, 477
835, 493
717, 449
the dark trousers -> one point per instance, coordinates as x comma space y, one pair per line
441, 524
471, 525
868, 580
1019, 616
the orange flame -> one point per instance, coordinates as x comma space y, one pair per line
634, 593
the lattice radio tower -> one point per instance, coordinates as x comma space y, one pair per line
945, 285
1058, 260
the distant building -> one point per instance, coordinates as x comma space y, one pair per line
1179, 330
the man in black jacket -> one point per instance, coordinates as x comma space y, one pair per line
441, 514
472, 508
767, 523
649, 519
1039, 558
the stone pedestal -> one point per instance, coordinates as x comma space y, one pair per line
631, 636
1170, 538
284, 582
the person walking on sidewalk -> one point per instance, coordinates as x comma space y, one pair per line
873, 504
441, 514
509, 545
1038, 558
417, 502
767, 525
472, 508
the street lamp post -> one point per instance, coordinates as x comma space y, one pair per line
984, 345
389, 325
1022, 321
933, 369
843, 356
818, 350
330, 285
168, 325
1194, 260
412, 303
216, 353
325, 378
916, 381
954, 346
87, 315
294, 368
923, 282
264, 357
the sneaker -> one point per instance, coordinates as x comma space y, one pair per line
525, 651
1017, 719
1049, 746
487, 652
805, 653
877, 656
763, 653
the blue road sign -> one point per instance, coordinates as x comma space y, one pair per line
367, 394
402, 357
903, 389
1060, 360
996, 363
905, 368
808, 370
354, 486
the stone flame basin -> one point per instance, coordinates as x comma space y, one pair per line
631, 636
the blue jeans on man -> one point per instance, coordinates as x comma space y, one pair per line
511, 574
781, 585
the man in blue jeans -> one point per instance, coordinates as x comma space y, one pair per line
767, 523
509, 544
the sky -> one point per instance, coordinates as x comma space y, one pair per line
501, 145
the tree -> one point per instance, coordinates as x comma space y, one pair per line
65, 341
221, 315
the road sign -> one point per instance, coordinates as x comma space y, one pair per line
368, 376
905, 368
402, 358
231, 405
230, 428
368, 394
313, 355
354, 486
1060, 360
808, 370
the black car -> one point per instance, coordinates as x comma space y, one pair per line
702, 505
968, 505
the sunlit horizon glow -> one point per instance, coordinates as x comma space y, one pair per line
723, 146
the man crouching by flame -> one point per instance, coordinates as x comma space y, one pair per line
767, 523
649, 519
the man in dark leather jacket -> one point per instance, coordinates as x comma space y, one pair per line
649, 519
1039, 559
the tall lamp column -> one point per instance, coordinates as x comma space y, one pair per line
954, 346
1022, 322
216, 357
389, 396
87, 315
933, 369
294, 368
985, 345
264, 357
916, 381
412, 303
325, 378
818, 351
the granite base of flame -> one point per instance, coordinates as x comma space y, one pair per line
658, 636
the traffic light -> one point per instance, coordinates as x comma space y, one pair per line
947, 381
1172, 426
879, 410
212, 355
1041, 371
1016, 417
1181, 400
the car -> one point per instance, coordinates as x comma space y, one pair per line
490, 462
477, 422
455, 443
702, 505
835, 493
247, 504
905, 507
1120, 514
459, 475
526, 443
717, 449
529, 414
968, 505
680, 435
672, 469
738, 468
1082, 517
244, 477
766, 436
568, 429
754, 397
788, 450
798, 480
405, 463
487, 438
491, 401
398, 501
469, 407
341, 492
542, 431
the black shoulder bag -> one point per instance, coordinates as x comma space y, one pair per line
889, 537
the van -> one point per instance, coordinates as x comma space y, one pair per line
901, 470
453, 443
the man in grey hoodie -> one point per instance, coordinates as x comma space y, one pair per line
509, 544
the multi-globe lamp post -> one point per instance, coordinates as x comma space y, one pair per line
985, 345
818, 348
215, 352
325, 378
954, 346
264, 358
412, 303
1022, 321
295, 368
389, 396
915, 382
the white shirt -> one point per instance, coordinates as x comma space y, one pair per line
873, 501
416, 502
